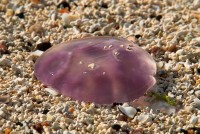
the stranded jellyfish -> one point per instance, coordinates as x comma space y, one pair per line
102, 70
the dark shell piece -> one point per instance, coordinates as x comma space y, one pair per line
3, 49
103, 70
43, 46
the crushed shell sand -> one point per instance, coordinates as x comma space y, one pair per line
169, 30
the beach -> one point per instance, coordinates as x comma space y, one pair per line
167, 30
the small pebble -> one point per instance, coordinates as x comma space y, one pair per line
159, 17
4, 99
7, 131
66, 132
128, 110
45, 111
116, 127
38, 127
55, 126
19, 10
138, 131
50, 116
2, 8
51, 91
197, 93
22, 89
20, 15
5, 62
198, 71
19, 123
195, 41
138, 36
183, 131
196, 3
144, 118
43, 46
196, 102
188, 108
193, 119
64, 5
37, 53
16, 69
3, 48
37, 28
53, 16
9, 12
4, 2
172, 48
69, 132
2, 114
65, 18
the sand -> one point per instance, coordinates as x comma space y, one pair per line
168, 30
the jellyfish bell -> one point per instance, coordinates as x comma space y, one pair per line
102, 70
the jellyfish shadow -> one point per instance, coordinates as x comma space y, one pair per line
157, 98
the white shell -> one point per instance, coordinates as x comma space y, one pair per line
193, 119
51, 91
128, 111
144, 118
37, 53
196, 102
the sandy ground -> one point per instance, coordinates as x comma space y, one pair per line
167, 29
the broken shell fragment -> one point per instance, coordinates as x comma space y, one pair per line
103, 70
127, 110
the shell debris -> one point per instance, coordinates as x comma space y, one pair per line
168, 30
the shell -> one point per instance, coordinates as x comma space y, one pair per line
103, 70
128, 111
